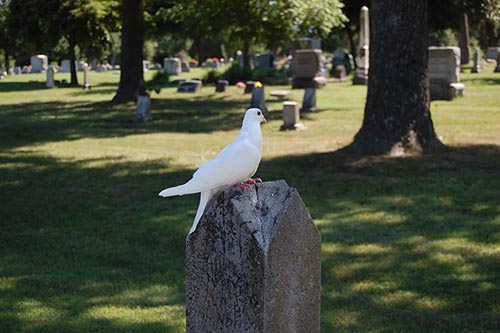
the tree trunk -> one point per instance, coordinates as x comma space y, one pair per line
352, 45
131, 76
246, 55
7, 59
397, 118
72, 60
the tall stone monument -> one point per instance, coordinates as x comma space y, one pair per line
253, 264
86, 84
477, 66
362, 61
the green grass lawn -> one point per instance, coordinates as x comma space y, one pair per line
86, 245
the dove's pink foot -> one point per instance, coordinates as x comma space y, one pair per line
246, 183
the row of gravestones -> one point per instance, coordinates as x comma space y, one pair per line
39, 63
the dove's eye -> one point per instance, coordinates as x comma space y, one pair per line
258, 113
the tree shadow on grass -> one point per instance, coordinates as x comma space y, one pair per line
32, 123
86, 248
409, 244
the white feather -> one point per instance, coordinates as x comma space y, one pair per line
235, 163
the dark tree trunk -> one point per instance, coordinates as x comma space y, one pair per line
397, 118
352, 45
7, 59
72, 60
246, 55
197, 48
131, 76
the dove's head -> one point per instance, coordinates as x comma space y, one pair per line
254, 115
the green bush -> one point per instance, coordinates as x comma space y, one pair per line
158, 81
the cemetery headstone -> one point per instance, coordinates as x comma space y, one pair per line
143, 107
444, 72
145, 66
361, 74
39, 63
264, 61
50, 83
307, 71
189, 86
291, 115
492, 52
81, 66
249, 86
476, 68
185, 67
497, 67
258, 99
254, 264
172, 66
65, 66
282, 94
340, 72
221, 85
86, 84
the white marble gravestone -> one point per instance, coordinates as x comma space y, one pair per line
39, 63
172, 66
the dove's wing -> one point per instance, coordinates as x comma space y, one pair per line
236, 162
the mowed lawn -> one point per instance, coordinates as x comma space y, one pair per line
86, 245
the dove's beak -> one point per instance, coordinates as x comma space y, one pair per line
262, 119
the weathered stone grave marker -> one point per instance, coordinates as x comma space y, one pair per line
221, 85
307, 75
444, 72
39, 63
86, 84
143, 112
189, 86
291, 116
492, 52
65, 66
362, 61
253, 264
258, 98
477, 66
249, 85
50, 83
172, 66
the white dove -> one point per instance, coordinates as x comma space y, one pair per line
235, 164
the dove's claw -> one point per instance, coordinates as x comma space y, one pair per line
246, 183
252, 180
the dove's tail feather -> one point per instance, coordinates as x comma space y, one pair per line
188, 188
205, 197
